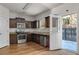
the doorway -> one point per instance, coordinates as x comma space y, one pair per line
69, 34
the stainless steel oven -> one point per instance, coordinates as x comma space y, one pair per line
22, 38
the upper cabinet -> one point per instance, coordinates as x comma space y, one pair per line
42, 23
47, 22
31, 24
20, 20
13, 23
28, 24
34, 24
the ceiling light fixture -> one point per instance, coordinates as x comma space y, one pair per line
26, 5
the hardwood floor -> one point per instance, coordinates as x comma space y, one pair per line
31, 48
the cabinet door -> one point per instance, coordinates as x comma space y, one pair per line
13, 39
34, 24
29, 37
38, 38
28, 24
47, 41
20, 20
13, 23
42, 40
47, 22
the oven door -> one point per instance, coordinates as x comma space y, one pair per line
22, 38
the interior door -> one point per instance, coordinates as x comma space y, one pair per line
55, 32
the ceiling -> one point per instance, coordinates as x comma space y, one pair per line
31, 9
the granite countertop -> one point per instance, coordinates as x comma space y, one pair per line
13, 33
36, 31
43, 33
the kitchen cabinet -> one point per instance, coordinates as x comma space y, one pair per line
38, 24
13, 38
47, 22
47, 41
31, 24
33, 37
42, 23
20, 20
29, 38
36, 38
43, 40
12, 23
34, 24
28, 24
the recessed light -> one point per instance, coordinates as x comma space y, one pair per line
67, 10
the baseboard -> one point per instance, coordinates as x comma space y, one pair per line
3, 46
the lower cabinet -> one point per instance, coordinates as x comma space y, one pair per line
33, 37
43, 40
29, 37
13, 38
38, 38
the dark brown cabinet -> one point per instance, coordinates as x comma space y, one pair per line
43, 40
34, 24
36, 38
47, 41
31, 24
20, 20
13, 23
29, 38
13, 38
47, 22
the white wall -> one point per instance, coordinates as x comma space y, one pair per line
4, 26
